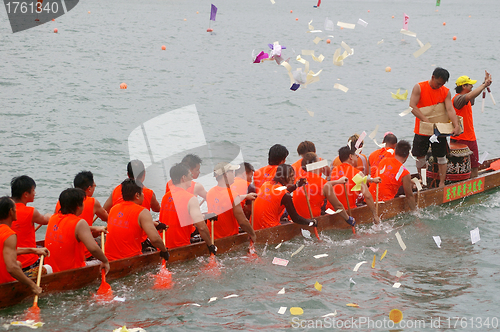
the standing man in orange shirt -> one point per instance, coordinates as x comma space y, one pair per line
376, 156
225, 202
462, 103
429, 93
277, 156
23, 192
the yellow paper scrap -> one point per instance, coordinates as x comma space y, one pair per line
311, 76
307, 52
28, 323
358, 180
380, 42
408, 33
296, 311
340, 87
417, 183
272, 1
346, 25
383, 255
400, 96
423, 174
374, 260
302, 61
422, 50
406, 111
373, 133
289, 69
420, 43
297, 251
337, 59
310, 113
400, 240
352, 305
310, 26
317, 40
318, 59
349, 50
318, 286
124, 329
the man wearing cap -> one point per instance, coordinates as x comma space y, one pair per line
226, 203
462, 102
425, 94
376, 156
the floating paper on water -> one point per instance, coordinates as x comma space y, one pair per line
307, 52
279, 245
400, 240
310, 26
358, 265
400, 96
399, 274
340, 87
314, 31
28, 323
373, 133
396, 285
433, 138
437, 239
305, 233
272, 1
380, 42
331, 314
212, 299
330, 211
423, 175
317, 40
406, 111
230, 296
352, 305
297, 251
316, 165
374, 260
379, 145
363, 23
320, 256
360, 139
282, 291
328, 25
383, 255
119, 299
280, 261
417, 183
346, 25
318, 59
318, 286
125, 329
195, 304
483, 157
474, 235
420, 43
422, 50
310, 113
281, 188
296, 311
352, 281
408, 33
282, 310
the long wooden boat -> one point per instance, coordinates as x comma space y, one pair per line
15, 292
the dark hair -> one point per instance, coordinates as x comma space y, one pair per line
21, 184
70, 199
459, 88
283, 172
6, 204
177, 172
83, 180
191, 161
441, 73
403, 148
305, 147
277, 153
344, 153
308, 158
135, 169
245, 167
130, 187
390, 139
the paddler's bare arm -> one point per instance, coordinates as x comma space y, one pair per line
452, 115
84, 235
36, 251
477, 91
41, 219
155, 206
147, 224
10, 259
243, 221
109, 203
414, 99
407, 186
329, 193
369, 202
100, 211
199, 223
199, 190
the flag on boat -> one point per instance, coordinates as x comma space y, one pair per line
213, 12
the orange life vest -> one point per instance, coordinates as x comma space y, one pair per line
264, 174
219, 202
429, 97
5, 233
314, 187
347, 170
466, 113
189, 190
25, 230
392, 179
377, 156
174, 205
117, 196
267, 206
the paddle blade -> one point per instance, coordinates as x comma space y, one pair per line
33, 313
316, 233
104, 293
496, 165
251, 250
212, 267
163, 280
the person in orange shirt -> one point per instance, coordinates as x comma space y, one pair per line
302, 149
225, 202
23, 192
462, 103
136, 171
180, 211
425, 94
193, 163
394, 176
10, 268
319, 192
128, 221
274, 196
362, 162
68, 235
277, 156
347, 168
376, 156
243, 186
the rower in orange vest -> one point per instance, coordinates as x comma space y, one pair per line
277, 156
128, 221
226, 203
180, 211
9, 266
68, 235
302, 149
193, 163
23, 192
376, 156
362, 163
243, 186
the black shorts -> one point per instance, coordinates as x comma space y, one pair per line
421, 146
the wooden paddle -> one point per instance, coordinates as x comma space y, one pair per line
34, 312
311, 213
348, 206
104, 293
38, 227
164, 277
376, 203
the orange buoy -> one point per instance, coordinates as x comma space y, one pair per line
197, 12
368, 10
454, 37
388, 69
328, 41
210, 30
291, 11
123, 86
341, 28
89, 12
55, 30
392, 16
444, 23
396, 315
53, 19
296, 19
185, 19
163, 47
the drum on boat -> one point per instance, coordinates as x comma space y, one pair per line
459, 165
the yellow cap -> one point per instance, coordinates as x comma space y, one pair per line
462, 80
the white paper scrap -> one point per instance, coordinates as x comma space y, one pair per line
400, 240
474, 235
352, 281
119, 299
437, 239
330, 314
420, 43
279, 245
280, 261
399, 274
298, 250
408, 33
380, 42
330, 211
397, 285
328, 24
320, 256
406, 111
317, 40
310, 113
281, 188
282, 310
316, 165
423, 175
346, 25
212, 299
422, 50
358, 265
272, 1
433, 138
373, 133
282, 291
230, 296
314, 31
306, 233
340, 87
360, 140
363, 23
483, 157
195, 304
310, 26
